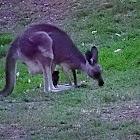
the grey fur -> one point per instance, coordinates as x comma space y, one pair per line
43, 46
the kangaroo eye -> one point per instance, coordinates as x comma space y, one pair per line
96, 73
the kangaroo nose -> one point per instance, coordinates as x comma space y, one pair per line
101, 83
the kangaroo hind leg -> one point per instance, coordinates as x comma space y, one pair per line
47, 75
45, 57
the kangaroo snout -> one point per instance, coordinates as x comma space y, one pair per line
101, 83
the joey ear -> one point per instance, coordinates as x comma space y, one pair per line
94, 54
31, 38
88, 56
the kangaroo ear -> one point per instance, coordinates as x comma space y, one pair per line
94, 54
88, 56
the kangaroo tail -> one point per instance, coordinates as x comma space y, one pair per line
10, 71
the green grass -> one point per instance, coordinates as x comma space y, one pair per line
90, 112
4, 44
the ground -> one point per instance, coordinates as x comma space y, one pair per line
79, 113
17, 14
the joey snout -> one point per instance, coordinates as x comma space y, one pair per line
55, 78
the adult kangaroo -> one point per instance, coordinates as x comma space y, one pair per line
43, 46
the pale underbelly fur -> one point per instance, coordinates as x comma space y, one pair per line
36, 68
33, 68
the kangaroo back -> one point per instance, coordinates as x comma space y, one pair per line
64, 50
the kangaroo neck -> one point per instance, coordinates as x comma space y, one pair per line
85, 67
79, 62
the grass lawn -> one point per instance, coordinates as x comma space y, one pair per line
111, 112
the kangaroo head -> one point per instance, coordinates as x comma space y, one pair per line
93, 68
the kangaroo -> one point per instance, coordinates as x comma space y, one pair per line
43, 46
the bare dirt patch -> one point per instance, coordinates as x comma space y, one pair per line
15, 14
12, 132
129, 111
